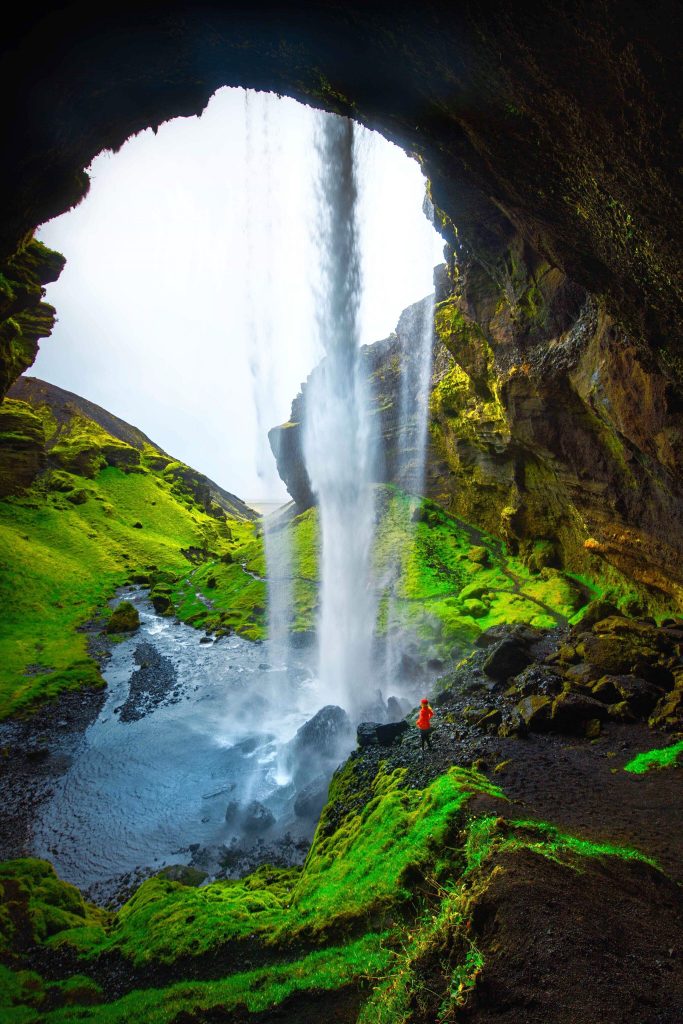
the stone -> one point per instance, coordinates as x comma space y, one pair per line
535, 712
323, 733
581, 674
668, 714
366, 734
507, 658
571, 711
640, 695
593, 728
257, 818
124, 619
184, 874
598, 610
389, 733
475, 608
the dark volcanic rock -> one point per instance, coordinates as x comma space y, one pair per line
507, 658
366, 734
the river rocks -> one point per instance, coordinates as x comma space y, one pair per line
256, 818
153, 685
253, 818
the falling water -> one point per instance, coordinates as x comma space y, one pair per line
260, 159
338, 444
415, 336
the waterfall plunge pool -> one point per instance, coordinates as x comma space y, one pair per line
187, 762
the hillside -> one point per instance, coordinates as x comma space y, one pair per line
88, 504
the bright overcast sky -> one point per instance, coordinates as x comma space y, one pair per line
186, 305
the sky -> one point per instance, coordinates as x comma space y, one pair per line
186, 306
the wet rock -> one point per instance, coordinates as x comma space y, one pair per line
325, 732
598, 610
535, 712
257, 818
621, 712
507, 658
184, 874
571, 711
389, 733
593, 728
581, 674
366, 734
668, 714
640, 695
536, 679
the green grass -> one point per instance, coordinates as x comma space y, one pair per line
60, 563
330, 969
660, 757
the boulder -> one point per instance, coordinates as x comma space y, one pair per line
366, 734
598, 610
572, 711
257, 818
124, 619
535, 712
640, 695
389, 733
507, 658
324, 733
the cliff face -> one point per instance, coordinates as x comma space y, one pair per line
550, 137
548, 427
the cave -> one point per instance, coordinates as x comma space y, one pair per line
464, 888
547, 136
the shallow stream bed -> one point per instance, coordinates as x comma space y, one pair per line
190, 728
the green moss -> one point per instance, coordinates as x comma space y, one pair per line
354, 964
36, 901
661, 757
59, 563
489, 835
124, 619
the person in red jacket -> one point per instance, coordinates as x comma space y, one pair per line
424, 724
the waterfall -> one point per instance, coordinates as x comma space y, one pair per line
260, 160
338, 442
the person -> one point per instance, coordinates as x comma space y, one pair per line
424, 724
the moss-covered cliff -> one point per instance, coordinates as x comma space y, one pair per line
549, 428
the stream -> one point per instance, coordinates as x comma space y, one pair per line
192, 733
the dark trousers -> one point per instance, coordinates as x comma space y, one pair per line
425, 738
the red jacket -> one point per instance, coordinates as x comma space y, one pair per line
425, 716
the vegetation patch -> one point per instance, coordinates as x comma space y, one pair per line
661, 757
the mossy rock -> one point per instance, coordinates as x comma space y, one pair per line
124, 619
78, 497
479, 554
